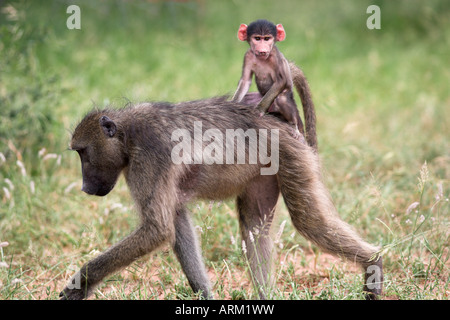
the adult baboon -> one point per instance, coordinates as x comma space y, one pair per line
143, 141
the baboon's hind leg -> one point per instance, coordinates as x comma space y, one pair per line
256, 206
188, 252
314, 215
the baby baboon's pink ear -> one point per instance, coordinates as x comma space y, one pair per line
281, 34
242, 32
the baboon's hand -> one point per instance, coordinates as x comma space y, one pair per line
72, 294
77, 289
262, 108
261, 111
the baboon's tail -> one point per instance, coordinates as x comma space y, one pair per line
312, 212
309, 112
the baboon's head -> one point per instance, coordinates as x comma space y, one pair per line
99, 142
261, 35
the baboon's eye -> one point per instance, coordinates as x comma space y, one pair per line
81, 152
84, 155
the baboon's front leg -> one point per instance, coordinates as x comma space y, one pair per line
137, 244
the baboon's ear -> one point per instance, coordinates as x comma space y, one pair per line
108, 126
242, 32
281, 34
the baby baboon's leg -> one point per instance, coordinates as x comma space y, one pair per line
188, 253
256, 206
285, 104
252, 98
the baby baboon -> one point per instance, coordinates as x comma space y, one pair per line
142, 141
275, 78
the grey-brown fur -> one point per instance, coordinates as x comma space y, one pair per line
309, 110
137, 141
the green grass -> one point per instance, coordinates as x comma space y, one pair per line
383, 126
